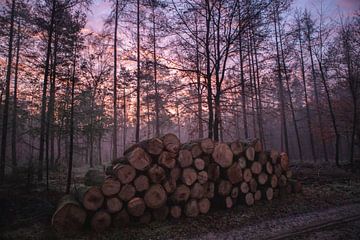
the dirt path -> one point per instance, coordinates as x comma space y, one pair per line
296, 226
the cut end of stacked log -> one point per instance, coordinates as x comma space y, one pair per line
160, 178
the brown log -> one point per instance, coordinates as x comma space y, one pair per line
269, 168
160, 214
224, 188
199, 164
175, 173
141, 183
156, 174
235, 192
125, 173
155, 196
262, 158
169, 186
229, 202
269, 193
253, 185
207, 145
154, 146
256, 143
249, 199
273, 181
127, 192
175, 211
194, 148
223, 155
213, 172
284, 161
209, 190
191, 208
181, 194
139, 159
185, 158
100, 221
171, 142
277, 170
69, 216
237, 147
189, 176
262, 178
296, 185
145, 218
94, 177
274, 155
242, 162
202, 177
247, 175
110, 187
90, 197
288, 174
234, 173
121, 218
257, 195
250, 153
204, 205
113, 205
282, 180
167, 159
244, 187
197, 191
136, 207
256, 168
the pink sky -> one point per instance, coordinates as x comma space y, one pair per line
101, 9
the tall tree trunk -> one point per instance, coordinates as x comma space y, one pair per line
289, 94
7, 96
281, 90
71, 147
251, 86
308, 118
14, 117
198, 82
137, 130
115, 82
242, 82
125, 117
208, 69
43, 101
157, 97
99, 148
317, 101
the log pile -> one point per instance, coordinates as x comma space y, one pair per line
161, 178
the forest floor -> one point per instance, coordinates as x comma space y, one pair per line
328, 194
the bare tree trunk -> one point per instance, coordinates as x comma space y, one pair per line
251, 86
281, 90
137, 130
125, 117
115, 83
289, 95
242, 81
14, 117
208, 69
198, 83
157, 106
43, 101
305, 93
99, 147
7, 96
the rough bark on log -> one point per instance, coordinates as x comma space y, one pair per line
262, 158
156, 174
274, 155
223, 155
69, 216
125, 173
155, 196
189, 176
110, 187
185, 158
100, 221
284, 161
90, 197
194, 148
191, 208
171, 142
127, 192
154, 146
136, 207
277, 170
237, 147
141, 183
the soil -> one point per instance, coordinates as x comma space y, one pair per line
25, 211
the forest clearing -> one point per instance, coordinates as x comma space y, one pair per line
179, 119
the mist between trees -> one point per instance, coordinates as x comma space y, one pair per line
198, 68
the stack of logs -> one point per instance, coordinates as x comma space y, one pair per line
160, 178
